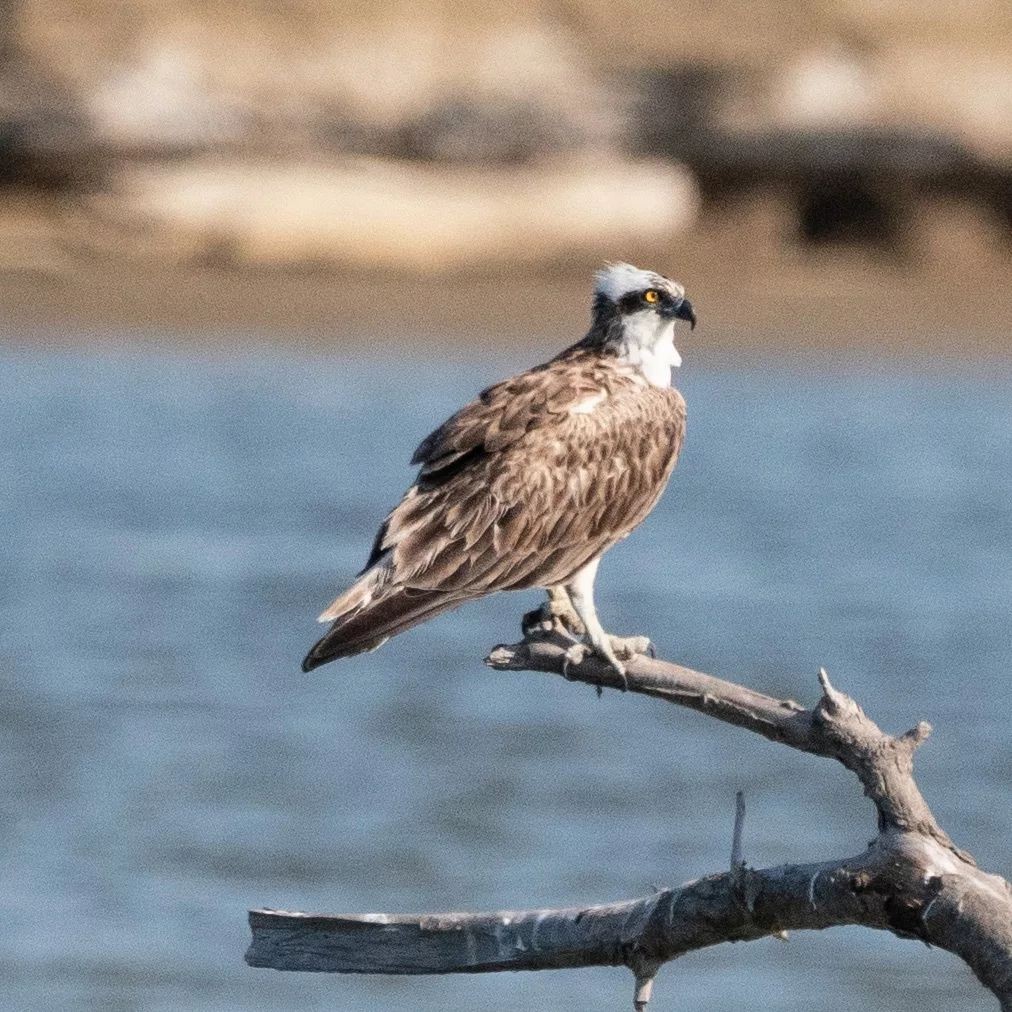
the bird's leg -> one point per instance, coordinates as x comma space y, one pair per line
581, 593
560, 607
555, 615
569, 624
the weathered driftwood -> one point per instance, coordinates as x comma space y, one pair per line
912, 880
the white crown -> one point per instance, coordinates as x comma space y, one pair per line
615, 280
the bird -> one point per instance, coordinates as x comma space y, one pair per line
528, 485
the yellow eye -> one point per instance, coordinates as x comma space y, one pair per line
651, 295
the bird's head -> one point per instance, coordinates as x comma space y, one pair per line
634, 316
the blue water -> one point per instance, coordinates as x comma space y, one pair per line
173, 523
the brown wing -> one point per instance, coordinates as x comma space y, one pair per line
519, 490
502, 414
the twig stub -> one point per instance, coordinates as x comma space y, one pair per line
737, 862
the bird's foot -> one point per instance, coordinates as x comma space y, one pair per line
563, 614
603, 648
628, 647
556, 615
574, 657
577, 654
614, 649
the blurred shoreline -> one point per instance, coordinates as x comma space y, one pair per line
832, 309
820, 179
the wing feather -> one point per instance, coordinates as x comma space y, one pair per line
501, 415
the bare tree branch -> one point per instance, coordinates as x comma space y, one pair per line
911, 880
836, 728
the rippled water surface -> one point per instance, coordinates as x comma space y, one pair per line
174, 522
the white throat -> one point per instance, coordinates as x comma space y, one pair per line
648, 343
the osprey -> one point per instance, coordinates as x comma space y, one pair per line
529, 484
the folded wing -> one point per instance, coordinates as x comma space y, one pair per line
521, 488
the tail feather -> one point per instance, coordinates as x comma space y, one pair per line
365, 619
358, 596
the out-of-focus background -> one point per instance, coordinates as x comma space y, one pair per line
808, 169
251, 253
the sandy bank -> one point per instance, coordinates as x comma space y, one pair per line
826, 308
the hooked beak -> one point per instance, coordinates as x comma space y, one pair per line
680, 310
683, 311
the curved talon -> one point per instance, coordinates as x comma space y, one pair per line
604, 649
566, 634
574, 655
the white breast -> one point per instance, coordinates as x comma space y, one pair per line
649, 345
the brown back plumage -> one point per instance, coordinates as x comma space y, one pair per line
521, 488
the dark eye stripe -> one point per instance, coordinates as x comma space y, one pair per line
633, 302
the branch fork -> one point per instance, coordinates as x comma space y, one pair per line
912, 880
